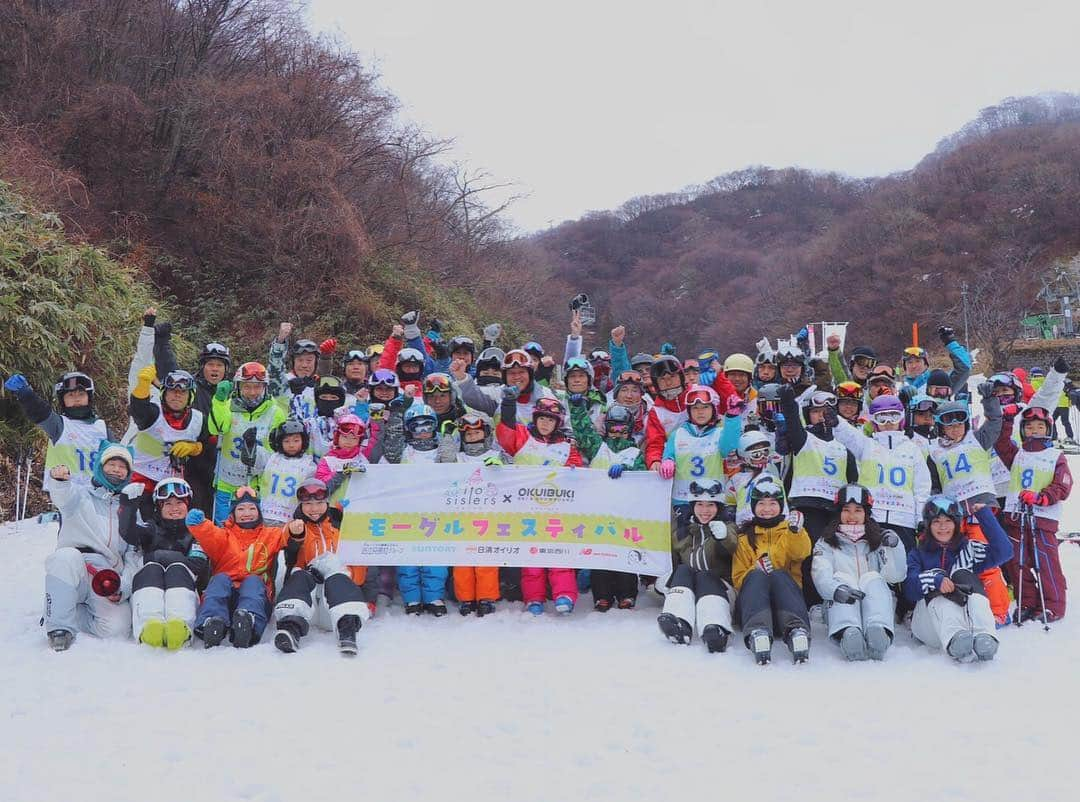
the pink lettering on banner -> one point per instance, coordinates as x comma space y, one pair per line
554, 527
631, 533
480, 525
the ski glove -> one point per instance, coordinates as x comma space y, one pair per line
249, 447
133, 490
986, 390
1033, 499
492, 332
298, 384
963, 561
930, 580
195, 517
615, 471
576, 399
718, 529
328, 346
411, 320
186, 448
736, 405
889, 539
978, 551
16, 383
144, 379
667, 469
844, 594
946, 333
510, 392
223, 390
795, 520
1061, 365
765, 563
493, 461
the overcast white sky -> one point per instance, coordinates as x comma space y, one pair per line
585, 104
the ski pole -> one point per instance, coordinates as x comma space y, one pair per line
1020, 575
26, 487
18, 483
1038, 573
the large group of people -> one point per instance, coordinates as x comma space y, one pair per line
862, 491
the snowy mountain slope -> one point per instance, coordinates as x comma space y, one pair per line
514, 708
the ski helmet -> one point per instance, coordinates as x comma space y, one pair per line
1036, 372
951, 412
1033, 414
938, 384
215, 351
940, 504
706, 490
250, 373
765, 358
74, 380
462, 343
629, 377
698, 394
517, 358
768, 401
302, 347
578, 363
534, 348
349, 424
172, 487
1007, 380
410, 356
765, 486
886, 409
181, 380
913, 353
550, 408
850, 391
618, 416
328, 386
286, 427
641, 362
864, 356
740, 362
245, 495
665, 366
420, 419
754, 448
854, 493
355, 355
490, 359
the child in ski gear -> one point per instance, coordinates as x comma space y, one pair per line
891, 467
239, 405
331, 402
849, 402
700, 589
765, 367
318, 586
163, 591
405, 354
951, 608
169, 432
88, 577
756, 457
280, 469
411, 438
767, 572
1040, 480
820, 464
615, 453
852, 564
695, 450
921, 426
629, 392
236, 601
475, 587
350, 452
542, 442
75, 432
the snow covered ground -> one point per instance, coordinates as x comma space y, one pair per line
512, 708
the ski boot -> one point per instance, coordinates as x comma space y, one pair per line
960, 646
853, 644
287, 637
60, 640
536, 608
214, 631
602, 605
153, 633
798, 640
627, 604
177, 634
437, 608
715, 637
675, 629
564, 605
414, 608
347, 628
243, 629
484, 608
985, 646
760, 643
467, 608
877, 642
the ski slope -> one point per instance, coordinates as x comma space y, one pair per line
512, 708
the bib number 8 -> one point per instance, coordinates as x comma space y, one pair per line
1027, 478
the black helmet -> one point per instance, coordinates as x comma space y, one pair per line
941, 504
857, 494
462, 343
289, 426
215, 351
73, 380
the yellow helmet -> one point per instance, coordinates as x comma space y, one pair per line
374, 350
739, 362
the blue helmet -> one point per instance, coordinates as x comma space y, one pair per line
420, 419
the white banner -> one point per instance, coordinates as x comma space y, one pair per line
464, 514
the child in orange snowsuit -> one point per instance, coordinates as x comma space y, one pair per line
236, 600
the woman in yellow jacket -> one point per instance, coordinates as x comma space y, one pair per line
767, 572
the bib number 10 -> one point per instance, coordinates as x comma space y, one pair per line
897, 475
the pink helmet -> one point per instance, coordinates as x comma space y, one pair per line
349, 424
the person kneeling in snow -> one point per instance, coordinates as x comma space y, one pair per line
163, 596
952, 610
854, 563
236, 601
700, 587
318, 585
767, 572
88, 577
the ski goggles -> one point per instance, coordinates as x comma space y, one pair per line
384, 378
701, 396
179, 380
617, 428
305, 347
691, 364
937, 391
251, 372
599, 356
533, 348
914, 352
312, 493
820, 398
328, 382
437, 383
172, 488
424, 425
215, 351
712, 489
887, 417
354, 429
849, 390
355, 355
631, 377
1035, 414
951, 417
925, 405
516, 359
768, 405
74, 381
758, 454
471, 423
577, 363
867, 362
